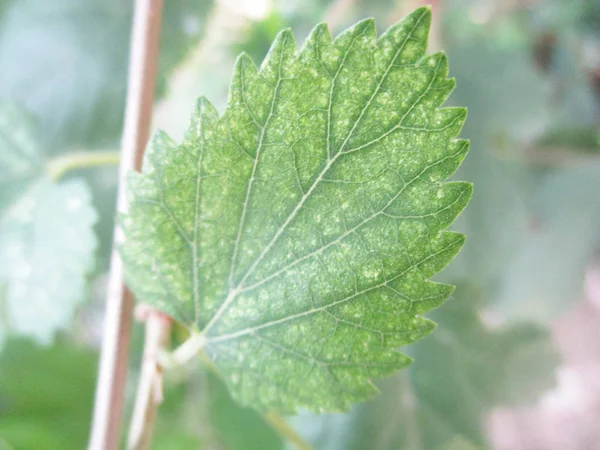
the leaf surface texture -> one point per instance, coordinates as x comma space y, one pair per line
297, 231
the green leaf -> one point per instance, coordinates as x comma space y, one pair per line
46, 236
297, 232
578, 139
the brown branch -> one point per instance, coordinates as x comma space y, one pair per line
149, 393
108, 406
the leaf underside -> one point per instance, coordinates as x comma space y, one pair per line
298, 230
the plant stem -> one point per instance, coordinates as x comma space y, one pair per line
284, 429
108, 406
58, 167
193, 347
149, 393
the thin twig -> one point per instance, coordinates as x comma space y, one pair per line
149, 393
285, 429
61, 165
117, 327
192, 348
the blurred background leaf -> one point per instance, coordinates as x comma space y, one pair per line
20, 158
66, 61
47, 241
238, 428
545, 276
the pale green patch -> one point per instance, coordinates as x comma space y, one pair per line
46, 236
298, 230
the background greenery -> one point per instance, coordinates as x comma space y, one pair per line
513, 361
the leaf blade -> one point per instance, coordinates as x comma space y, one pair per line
301, 240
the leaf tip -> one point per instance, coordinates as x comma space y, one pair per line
364, 27
283, 47
318, 37
205, 109
422, 13
427, 327
244, 62
468, 189
321, 28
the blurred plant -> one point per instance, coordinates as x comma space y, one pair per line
45, 395
258, 37
566, 416
66, 61
533, 222
46, 238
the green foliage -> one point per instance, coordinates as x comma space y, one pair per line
174, 428
532, 260
533, 96
466, 364
584, 139
46, 236
236, 427
297, 232
46, 400
67, 61
548, 269
46, 396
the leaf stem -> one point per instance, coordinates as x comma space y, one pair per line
284, 429
59, 166
191, 348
